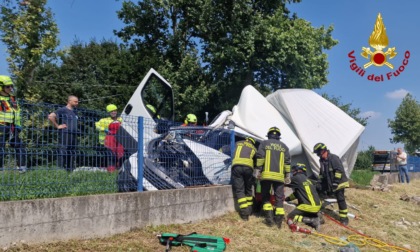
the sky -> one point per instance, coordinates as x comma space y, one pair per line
353, 23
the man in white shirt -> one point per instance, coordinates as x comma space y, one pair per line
402, 165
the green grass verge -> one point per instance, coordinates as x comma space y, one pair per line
52, 183
362, 177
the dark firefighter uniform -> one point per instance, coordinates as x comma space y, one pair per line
305, 192
273, 160
333, 178
242, 175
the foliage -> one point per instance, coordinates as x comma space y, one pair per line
352, 112
406, 125
212, 49
364, 159
98, 73
30, 34
51, 183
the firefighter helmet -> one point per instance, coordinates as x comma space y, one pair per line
319, 147
191, 118
250, 139
111, 107
274, 132
299, 167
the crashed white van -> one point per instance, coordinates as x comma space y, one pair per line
304, 118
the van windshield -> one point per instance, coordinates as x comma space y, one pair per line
382, 158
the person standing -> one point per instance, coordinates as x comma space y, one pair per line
10, 124
66, 121
242, 175
273, 164
108, 128
402, 165
309, 202
333, 178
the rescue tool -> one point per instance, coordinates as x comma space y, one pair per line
197, 242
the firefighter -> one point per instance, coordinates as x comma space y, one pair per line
242, 175
333, 178
10, 124
190, 120
305, 192
273, 164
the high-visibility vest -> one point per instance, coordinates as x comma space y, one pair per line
9, 110
103, 125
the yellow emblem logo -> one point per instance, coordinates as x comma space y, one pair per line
378, 40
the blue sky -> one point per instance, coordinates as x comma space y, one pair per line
353, 23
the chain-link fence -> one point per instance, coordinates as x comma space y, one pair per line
40, 161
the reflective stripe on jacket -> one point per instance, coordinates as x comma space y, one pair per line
305, 192
275, 157
9, 110
335, 169
244, 154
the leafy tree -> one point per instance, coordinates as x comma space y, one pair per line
352, 112
406, 125
98, 73
364, 159
229, 44
30, 34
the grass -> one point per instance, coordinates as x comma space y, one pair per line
377, 216
362, 177
50, 182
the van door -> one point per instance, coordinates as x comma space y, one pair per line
153, 98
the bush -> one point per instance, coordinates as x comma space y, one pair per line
364, 159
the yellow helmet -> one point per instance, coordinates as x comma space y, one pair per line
151, 108
274, 133
5, 81
111, 107
250, 139
191, 118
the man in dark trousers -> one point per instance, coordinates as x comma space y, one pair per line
273, 161
242, 175
309, 202
66, 121
333, 178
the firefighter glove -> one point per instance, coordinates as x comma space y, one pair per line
287, 179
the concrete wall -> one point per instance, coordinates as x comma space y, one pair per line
393, 177
46, 220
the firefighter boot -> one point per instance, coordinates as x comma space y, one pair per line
278, 219
344, 221
269, 221
244, 214
313, 222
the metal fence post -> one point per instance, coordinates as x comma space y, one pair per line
232, 144
140, 130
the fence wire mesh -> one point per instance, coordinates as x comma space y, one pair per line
39, 161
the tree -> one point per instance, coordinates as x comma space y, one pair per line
364, 159
352, 112
98, 73
230, 44
30, 34
406, 125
